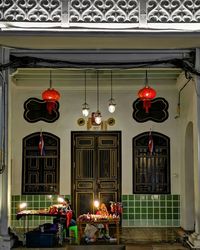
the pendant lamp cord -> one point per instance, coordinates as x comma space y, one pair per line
50, 81
111, 95
85, 86
146, 80
97, 90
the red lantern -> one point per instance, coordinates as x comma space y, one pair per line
146, 94
50, 96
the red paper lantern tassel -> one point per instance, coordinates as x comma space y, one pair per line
51, 106
146, 105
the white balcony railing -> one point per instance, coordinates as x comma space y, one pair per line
110, 14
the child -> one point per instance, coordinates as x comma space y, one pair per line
104, 213
103, 210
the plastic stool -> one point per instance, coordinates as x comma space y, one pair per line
73, 233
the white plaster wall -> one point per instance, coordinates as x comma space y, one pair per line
188, 114
70, 111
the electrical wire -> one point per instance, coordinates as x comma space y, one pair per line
27, 62
2, 145
189, 77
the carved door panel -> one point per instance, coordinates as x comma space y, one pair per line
96, 169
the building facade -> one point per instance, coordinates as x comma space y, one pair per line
127, 38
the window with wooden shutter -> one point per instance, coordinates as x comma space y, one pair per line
151, 169
41, 172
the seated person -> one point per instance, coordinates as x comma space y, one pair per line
69, 220
67, 208
103, 210
104, 213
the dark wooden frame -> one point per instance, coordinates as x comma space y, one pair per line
151, 172
30, 151
92, 133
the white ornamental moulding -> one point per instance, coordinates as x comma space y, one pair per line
173, 11
104, 11
30, 10
113, 13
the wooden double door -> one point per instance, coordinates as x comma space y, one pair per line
96, 169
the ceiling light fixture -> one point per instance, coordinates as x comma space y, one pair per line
111, 104
85, 106
146, 94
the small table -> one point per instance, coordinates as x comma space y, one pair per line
93, 221
28, 213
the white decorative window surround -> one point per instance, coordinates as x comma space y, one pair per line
108, 14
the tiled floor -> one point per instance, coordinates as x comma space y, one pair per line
144, 235
153, 238
156, 247
142, 239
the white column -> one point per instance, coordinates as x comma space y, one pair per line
5, 240
197, 221
195, 237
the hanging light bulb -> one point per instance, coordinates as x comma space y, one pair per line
85, 106
97, 114
111, 104
85, 109
111, 107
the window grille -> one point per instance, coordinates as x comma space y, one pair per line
151, 169
41, 172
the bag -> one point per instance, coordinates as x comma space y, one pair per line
90, 231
